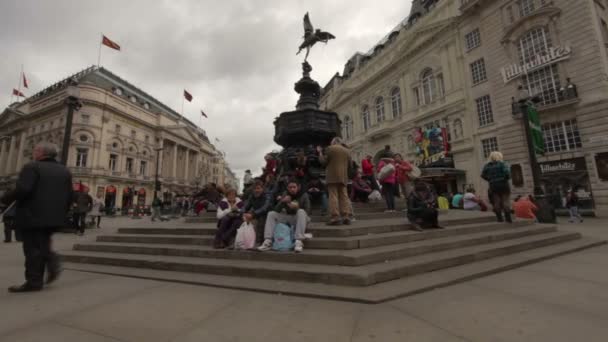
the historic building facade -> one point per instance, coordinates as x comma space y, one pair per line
448, 76
556, 50
116, 137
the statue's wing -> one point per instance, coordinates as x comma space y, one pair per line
325, 36
308, 28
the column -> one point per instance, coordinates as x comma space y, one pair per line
187, 165
174, 171
21, 151
10, 164
3, 148
160, 158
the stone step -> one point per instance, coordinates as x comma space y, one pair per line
344, 243
325, 257
373, 294
336, 275
316, 228
380, 214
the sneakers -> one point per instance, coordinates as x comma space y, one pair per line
299, 247
266, 245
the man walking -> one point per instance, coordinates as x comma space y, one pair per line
43, 195
83, 203
337, 160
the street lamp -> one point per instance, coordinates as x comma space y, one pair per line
73, 103
546, 211
156, 180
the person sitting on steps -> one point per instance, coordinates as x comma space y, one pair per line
229, 219
421, 208
256, 208
292, 209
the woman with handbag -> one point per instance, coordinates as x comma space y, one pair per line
97, 210
388, 180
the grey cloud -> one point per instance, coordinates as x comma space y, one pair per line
236, 57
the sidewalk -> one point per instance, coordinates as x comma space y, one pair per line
563, 299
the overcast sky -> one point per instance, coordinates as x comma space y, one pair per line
236, 57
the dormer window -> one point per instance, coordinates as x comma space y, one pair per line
146, 105
133, 98
118, 91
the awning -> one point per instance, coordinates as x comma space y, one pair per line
437, 172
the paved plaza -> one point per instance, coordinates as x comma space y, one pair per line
563, 299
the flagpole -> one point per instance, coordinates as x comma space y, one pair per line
99, 53
183, 99
20, 80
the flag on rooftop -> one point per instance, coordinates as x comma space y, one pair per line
187, 95
17, 93
203, 113
109, 43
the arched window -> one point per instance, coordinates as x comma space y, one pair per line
365, 118
379, 109
544, 81
396, 102
348, 128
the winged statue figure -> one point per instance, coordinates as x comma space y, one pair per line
312, 36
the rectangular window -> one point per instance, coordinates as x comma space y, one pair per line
129, 165
478, 71
81, 157
489, 145
484, 110
142, 168
112, 163
561, 136
85, 118
544, 83
472, 39
526, 7
117, 128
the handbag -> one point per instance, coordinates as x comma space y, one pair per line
245, 236
414, 173
386, 171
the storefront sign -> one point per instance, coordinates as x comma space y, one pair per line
552, 56
567, 165
432, 147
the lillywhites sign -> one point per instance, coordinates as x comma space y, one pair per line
577, 164
553, 55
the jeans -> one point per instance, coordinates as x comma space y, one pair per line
299, 220
574, 214
80, 222
389, 195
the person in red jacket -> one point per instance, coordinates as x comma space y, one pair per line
403, 167
367, 169
388, 183
525, 208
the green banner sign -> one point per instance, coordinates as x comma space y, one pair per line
536, 130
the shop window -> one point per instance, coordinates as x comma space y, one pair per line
517, 176
601, 163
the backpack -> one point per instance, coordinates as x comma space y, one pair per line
386, 171
282, 238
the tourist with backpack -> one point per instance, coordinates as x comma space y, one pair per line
293, 208
496, 172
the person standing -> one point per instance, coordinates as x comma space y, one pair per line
388, 180
336, 160
572, 205
83, 203
156, 208
8, 217
97, 210
403, 178
496, 172
43, 195
367, 167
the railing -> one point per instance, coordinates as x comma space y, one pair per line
566, 95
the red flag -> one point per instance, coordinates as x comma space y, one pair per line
107, 42
205, 115
25, 81
187, 96
17, 93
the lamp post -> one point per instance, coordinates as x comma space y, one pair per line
156, 180
546, 211
73, 103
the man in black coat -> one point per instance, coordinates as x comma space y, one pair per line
43, 196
